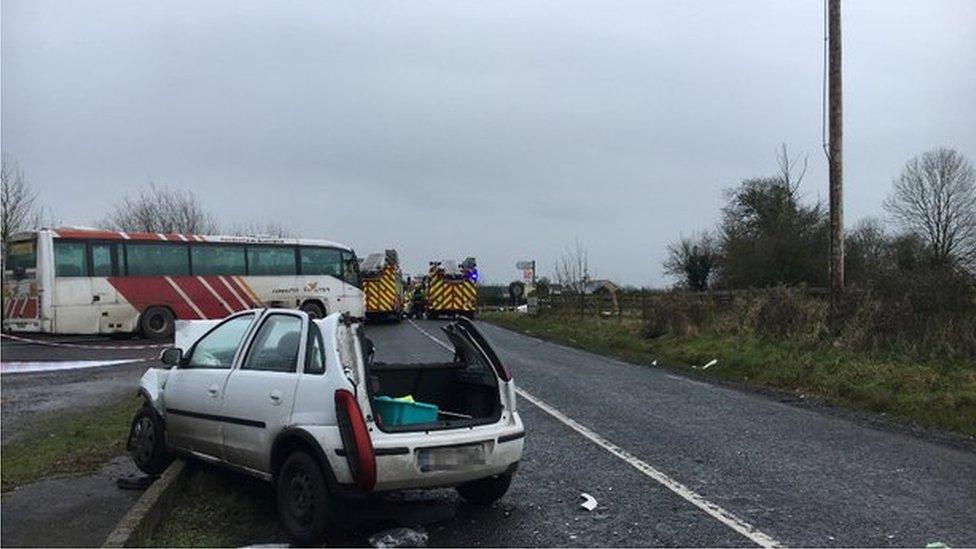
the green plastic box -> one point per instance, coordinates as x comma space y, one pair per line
394, 413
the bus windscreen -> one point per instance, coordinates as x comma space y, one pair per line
21, 255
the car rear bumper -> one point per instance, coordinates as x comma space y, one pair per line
398, 461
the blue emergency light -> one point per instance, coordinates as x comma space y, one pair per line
473, 275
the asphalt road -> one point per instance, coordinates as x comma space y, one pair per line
693, 461
801, 476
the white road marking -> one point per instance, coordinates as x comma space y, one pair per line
718, 513
8, 368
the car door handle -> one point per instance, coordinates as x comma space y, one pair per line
212, 391
275, 397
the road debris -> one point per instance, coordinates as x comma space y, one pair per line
936, 545
711, 363
399, 537
135, 482
589, 502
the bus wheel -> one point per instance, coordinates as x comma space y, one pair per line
313, 309
157, 323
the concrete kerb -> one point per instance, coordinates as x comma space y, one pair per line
147, 511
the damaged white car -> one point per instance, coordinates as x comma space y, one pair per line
300, 402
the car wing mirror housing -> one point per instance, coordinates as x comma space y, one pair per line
171, 356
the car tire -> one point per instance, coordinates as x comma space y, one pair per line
147, 442
157, 323
305, 508
313, 309
485, 491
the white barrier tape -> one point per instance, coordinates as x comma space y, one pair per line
82, 346
9, 368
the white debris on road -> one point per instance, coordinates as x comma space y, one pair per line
589, 502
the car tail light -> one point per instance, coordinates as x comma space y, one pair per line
355, 440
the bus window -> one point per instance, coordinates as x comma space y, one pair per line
321, 261
157, 259
20, 257
69, 259
218, 260
350, 270
270, 260
102, 259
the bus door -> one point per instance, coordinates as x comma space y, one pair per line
73, 298
113, 313
353, 298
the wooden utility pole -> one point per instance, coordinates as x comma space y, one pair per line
836, 155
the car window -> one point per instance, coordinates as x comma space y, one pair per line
275, 348
315, 355
217, 348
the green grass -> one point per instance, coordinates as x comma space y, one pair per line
68, 443
940, 394
218, 509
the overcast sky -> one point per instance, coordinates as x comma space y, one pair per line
502, 130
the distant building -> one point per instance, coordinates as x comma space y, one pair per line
598, 287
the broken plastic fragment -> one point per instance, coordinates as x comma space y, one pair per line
399, 537
936, 545
713, 362
589, 502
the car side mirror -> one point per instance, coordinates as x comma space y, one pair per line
171, 356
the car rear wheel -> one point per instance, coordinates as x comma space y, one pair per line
313, 309
485, 491
157, 323
304, 504
147, 443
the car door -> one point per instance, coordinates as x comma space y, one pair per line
260, 393
194, 388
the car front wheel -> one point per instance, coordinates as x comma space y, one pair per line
304, 505
147, 443
485, 491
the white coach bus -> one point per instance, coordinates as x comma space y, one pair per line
88, 281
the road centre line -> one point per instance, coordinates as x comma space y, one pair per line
718, 513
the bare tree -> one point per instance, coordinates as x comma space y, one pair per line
934, 198
572, 270
162, 210
693, 260
20, 208
791, 173
266, 229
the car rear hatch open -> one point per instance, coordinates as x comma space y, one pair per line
463, 392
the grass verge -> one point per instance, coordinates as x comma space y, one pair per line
68, 443
940, 394
218, 509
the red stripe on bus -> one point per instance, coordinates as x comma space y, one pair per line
79, 233
228, 284
244, 291
21, 307
145, 291
200, 296
224, 293
174, 237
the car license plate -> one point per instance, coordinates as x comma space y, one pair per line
450, 459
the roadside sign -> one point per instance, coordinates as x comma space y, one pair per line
522, 265
528, 275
